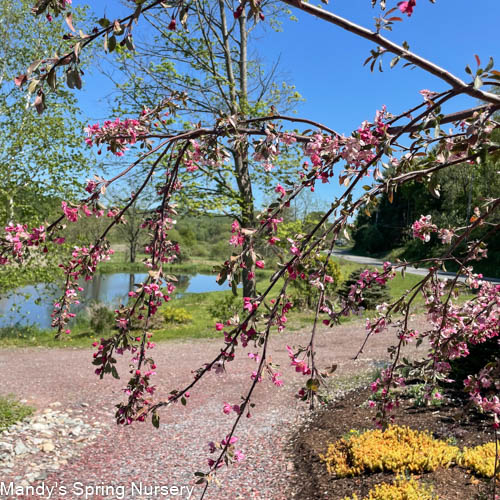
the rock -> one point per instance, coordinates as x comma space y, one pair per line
47, 446
55, 404
84, 405
20, 448
76, 431
39, 427
4, 446
41, 475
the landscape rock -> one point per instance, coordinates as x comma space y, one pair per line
20, 448
42, 443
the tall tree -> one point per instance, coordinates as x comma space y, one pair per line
210, 62
36, 155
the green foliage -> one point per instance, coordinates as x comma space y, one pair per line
102, 319
177, 315
420, 396
225, 307
461, 188
12, 411
193, 60
39, 158
372, 295
302, 292
479, 356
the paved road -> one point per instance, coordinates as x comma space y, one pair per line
369, 261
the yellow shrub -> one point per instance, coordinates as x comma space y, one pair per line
395, 449
481, 459
400, 489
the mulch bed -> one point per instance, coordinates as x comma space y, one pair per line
312, 480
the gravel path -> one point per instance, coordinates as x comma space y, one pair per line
105, 461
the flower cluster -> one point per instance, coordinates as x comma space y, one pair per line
232, 454
423, 228
407, 7
82, 265
118, 134
301, 365
18, 240
487, 381
203, 154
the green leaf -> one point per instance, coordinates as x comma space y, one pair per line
104, 22
111, 43
155, 420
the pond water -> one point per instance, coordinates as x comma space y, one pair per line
33, 304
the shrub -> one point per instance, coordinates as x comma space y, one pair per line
11, 411
421, 397
102, 318
373, 294
395, 449
400, 489
479, 356
225, 308
302, 292
176, 315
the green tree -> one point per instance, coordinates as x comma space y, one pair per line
36, 155
211, 63
41, 161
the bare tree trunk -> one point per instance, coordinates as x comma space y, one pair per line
133, 249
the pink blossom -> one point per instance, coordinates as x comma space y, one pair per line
235, 227
280, 189
423, 228
70, 213
276, 381
260, 264
407, 7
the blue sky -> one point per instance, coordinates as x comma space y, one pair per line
325, 63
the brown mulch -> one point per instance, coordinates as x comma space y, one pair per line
312, 480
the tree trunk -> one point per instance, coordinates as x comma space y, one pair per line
247, 216
133, 249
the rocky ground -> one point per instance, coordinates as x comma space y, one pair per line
72, 438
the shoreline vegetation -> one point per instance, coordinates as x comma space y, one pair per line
179, 323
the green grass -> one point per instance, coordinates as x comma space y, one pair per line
12, 411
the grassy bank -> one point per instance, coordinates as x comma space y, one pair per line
12, 411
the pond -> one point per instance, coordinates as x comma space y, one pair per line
33, 304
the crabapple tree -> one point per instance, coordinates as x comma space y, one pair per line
381, 155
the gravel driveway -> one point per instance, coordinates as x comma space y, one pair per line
103, 460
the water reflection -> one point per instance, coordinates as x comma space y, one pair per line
110, 289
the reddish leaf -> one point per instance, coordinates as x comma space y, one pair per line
40, 103
20, 80
477, 59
